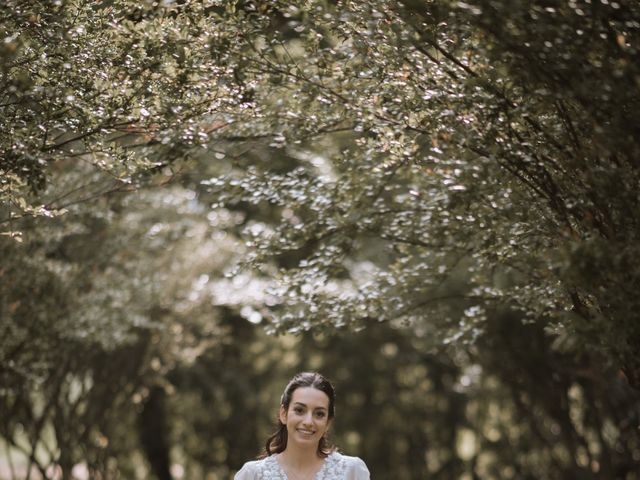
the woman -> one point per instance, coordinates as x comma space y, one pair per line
299, 450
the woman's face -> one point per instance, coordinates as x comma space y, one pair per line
307, 418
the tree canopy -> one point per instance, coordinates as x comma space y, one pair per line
454, 183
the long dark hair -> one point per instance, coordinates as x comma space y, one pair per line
277, 442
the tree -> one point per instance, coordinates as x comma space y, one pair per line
117, 89
102, 303
451, 124
449, 140
467, 170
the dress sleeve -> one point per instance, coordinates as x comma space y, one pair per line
358, 470
247, 472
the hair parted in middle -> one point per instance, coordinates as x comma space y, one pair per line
277, 442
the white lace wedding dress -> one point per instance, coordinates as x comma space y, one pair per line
335, 467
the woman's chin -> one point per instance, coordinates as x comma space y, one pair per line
304, 438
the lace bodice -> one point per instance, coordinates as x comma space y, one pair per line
335, 467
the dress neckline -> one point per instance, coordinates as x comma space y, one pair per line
318, 475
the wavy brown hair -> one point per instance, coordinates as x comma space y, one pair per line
277, 442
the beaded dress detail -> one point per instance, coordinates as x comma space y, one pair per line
335, 467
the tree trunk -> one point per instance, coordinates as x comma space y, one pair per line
153, 433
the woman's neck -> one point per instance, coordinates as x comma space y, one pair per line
296, 457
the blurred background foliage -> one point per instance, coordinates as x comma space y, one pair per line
434, 203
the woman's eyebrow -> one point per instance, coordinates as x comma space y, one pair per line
305, 405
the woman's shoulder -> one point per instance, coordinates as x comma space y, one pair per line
352, 467
347, 459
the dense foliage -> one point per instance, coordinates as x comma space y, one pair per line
464, 152
439, 197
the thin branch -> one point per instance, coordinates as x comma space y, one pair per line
486, 84
436, 299
273, 68
84, 135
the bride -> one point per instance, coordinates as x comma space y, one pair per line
299, 450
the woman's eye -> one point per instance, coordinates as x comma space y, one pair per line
297, 410
320, 414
